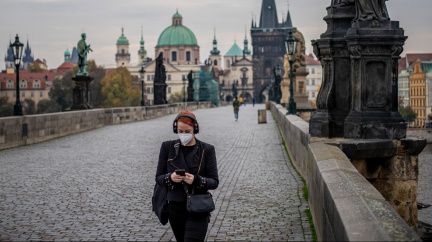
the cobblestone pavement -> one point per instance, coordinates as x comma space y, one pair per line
97, 185
425, 184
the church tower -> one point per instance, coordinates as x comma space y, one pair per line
215, 57
141, 52
268, 46
122, 56
28, 58
9, 58
67, 56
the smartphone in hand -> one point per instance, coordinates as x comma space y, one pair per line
180, 172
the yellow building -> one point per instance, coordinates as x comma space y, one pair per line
417, 82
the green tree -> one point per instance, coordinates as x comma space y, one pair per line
407, 113
48, 106
29, 106
117, 89
62, 90
177, 97
34, 67
98, 73
6, 108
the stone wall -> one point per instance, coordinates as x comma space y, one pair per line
23, 130
424, 133
345, 206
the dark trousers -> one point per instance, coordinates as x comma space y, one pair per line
187, 226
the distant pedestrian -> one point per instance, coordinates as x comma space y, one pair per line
187, 166
253, 102
236, 105
244, 101
241, 100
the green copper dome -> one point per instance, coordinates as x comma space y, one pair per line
67, 52
177, 35
122, 40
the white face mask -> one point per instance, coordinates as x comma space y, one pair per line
185, 138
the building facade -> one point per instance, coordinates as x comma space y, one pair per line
314, 77
268, 46
403, 87
417, 82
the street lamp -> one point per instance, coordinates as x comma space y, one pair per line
277, 88
184, 88
17, 49
142, 72
291, 44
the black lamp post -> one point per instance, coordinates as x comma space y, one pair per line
142, 72
277, 87
291, 44
184, 88
17, 49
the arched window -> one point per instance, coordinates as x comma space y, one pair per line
10, 84
228, 64
123, 51
215, 63
174, 56
23, 84
36, 84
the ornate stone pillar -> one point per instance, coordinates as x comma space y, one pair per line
333, 100
375, 46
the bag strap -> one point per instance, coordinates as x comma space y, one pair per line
199, 168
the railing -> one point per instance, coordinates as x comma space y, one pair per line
29, 129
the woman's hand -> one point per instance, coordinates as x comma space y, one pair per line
176, 178
189, 178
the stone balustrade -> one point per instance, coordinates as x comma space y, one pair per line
345, 206
29, 129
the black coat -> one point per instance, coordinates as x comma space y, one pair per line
171, 158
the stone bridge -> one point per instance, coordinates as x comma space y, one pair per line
97, 185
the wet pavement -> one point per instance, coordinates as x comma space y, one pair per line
425, 184
97, 185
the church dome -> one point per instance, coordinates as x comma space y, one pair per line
122, 40
67, 53
177, 34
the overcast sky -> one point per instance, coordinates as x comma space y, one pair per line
53, 25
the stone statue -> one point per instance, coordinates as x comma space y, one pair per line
83, 49
341, 3
190, 79
300, 55
371, 10
160, 75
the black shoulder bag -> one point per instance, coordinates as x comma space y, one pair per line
199, 203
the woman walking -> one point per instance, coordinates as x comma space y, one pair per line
187, 166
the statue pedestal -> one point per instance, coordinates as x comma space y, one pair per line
160, 93
190, 94
333, 100
300, 96
375, 48
81, 93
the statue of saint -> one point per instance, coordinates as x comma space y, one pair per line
83, 49
190, 79
371, 10
341, 3
160, 75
